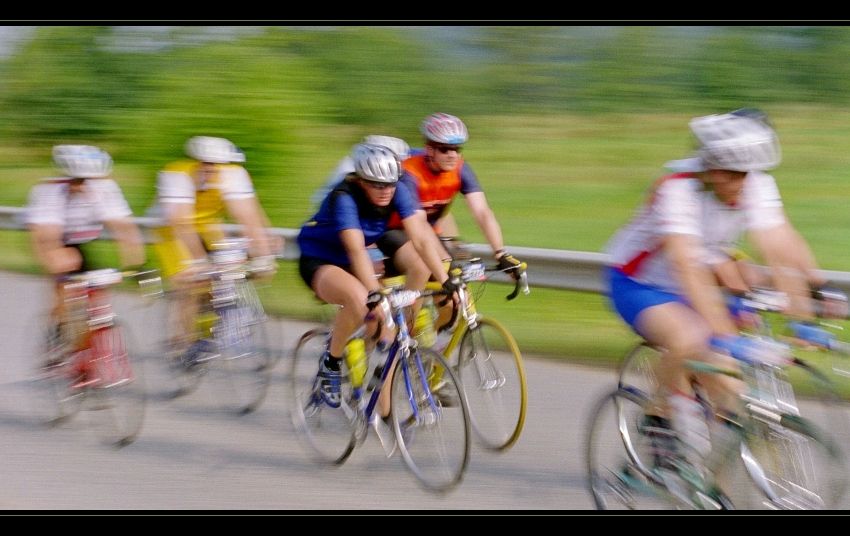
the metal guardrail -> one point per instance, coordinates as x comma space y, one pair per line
553, 268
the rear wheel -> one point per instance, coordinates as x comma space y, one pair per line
328, 432
245, 357
55, 397
615, 449
118, 394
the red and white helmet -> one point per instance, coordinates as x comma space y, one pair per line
444, 128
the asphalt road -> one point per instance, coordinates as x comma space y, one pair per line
194, 454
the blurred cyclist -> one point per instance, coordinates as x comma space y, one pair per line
192, 198
334, 261
435, 177
661, 281
65, 213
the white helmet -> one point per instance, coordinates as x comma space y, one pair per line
215, 150
376, 163
736, 142
398, 145
82, 161
444, 128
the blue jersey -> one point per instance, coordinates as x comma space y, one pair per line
347, 207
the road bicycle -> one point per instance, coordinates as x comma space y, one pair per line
85, 363
230, 337
432, 436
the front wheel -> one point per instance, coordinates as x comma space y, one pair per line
492, 376
329, 432
245, 357
431, 428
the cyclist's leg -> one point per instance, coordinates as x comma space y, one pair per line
333, 284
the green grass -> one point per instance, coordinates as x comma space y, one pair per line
561, 181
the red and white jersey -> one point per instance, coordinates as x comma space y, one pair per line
679, 204
80, 214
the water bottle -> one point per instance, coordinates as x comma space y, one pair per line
355, 358
423, 327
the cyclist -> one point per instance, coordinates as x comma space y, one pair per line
334, 261
192, 197
435, 177
65, 213
661, 282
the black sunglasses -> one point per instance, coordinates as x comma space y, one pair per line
446, 148
379, 185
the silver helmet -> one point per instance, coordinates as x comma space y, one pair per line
215, 150
736, 142
82, 161
376, 163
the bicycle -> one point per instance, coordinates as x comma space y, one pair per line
489, 363
433, 438
85, 362
230, 331
792, 462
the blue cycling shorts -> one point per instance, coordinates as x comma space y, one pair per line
630, 298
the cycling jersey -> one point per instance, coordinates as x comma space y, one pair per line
343, 168
347, 207
680, 204
434, 191
81, 214
176, 186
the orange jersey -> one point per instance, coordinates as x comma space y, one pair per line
435, 191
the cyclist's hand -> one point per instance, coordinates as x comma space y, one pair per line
509, 263
263, 266
830, 303
754, 349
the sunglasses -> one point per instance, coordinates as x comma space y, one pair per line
446, 148
378, 185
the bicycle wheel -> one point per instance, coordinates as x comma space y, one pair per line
55, 397
492, 376
329, 432
117, 393
180, 380
639, 368
614, 450
432, 432
793, 462
244, 357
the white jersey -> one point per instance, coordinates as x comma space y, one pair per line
343, 168
680, 205
80, 214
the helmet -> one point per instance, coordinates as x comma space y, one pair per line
398, 145
444, 128
82, 161
215, 150
376, 163
737, 141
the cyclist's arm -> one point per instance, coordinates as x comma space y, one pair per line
792, 265
426, 243
486, 220
697, 281
130, 242
361, 263
447, 225
181, 218
51, 251
248, 213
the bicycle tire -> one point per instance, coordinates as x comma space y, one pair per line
330, 433
639, 368
119, 395
243, 348
794, 462
180, 380
435, 446
55, 399
492, 376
